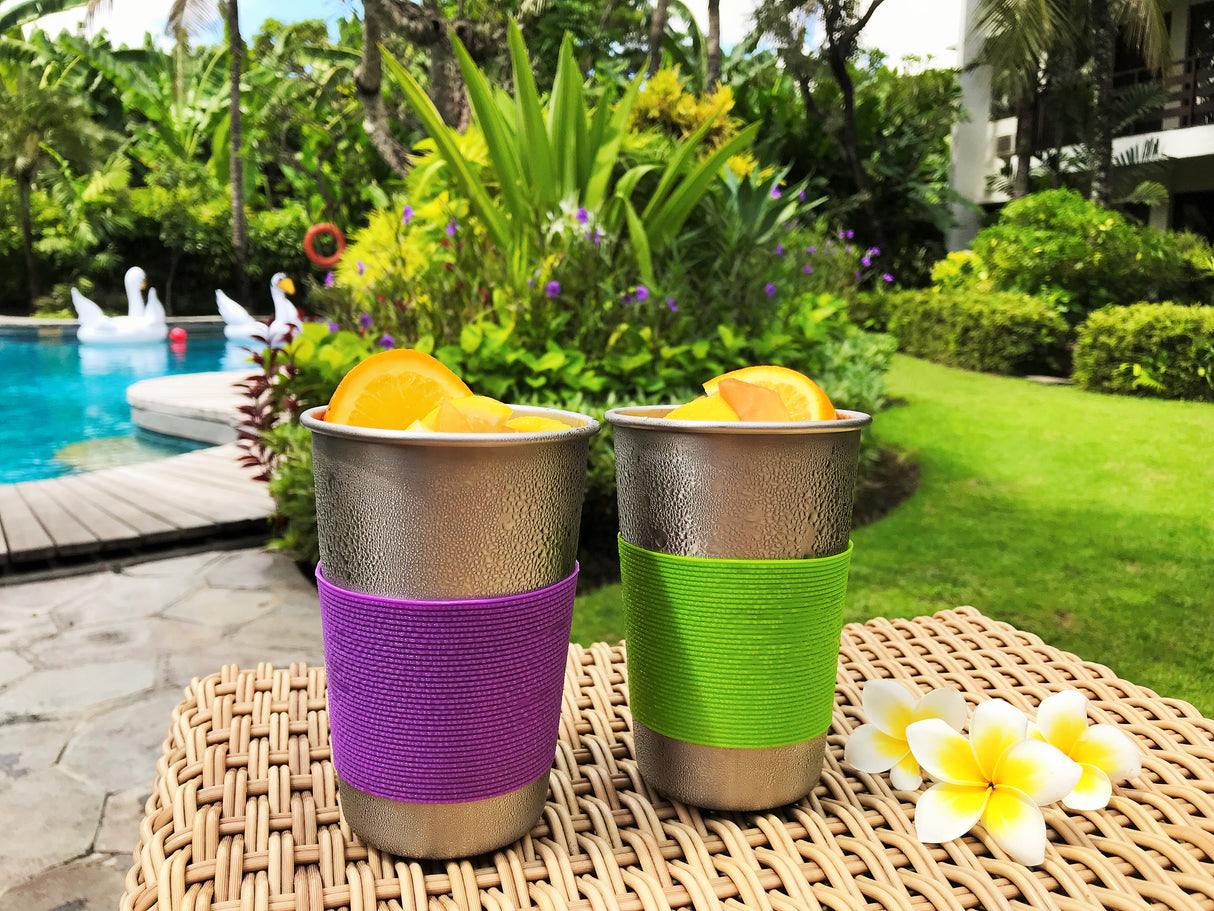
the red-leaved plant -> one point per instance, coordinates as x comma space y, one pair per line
267, 404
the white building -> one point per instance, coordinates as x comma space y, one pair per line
1184, 128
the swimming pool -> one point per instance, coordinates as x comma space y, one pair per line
57, 393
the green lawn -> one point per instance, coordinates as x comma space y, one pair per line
1087, 519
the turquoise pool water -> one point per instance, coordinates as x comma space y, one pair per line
60, 393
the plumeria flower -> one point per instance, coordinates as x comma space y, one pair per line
1105, 753
386, 340
406, 214
997, 776
880, 745
553, 289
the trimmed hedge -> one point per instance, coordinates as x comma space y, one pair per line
1163, 350
1012, 334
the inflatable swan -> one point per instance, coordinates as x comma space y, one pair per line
143, 322
241, 327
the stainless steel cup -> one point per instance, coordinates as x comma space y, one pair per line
740, 490
439, 517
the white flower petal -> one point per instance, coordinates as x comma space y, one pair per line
888, 705
1016, 824
996, 725
1062, 718
870, 749
1110, 750
905, 775
944, 753
1037, 769
945, 703
1092, 792
948, 811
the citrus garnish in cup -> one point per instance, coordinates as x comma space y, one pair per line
392, 389
705, 408
803, 398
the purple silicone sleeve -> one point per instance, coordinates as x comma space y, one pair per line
445, 701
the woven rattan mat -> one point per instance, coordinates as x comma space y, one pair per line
244, 814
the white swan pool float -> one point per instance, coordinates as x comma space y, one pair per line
143, 322
241, 327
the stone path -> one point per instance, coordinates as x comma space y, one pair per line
90, 669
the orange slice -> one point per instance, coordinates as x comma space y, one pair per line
484, 415
752, 402
803, 398
533, 423
392, 389
446, 418
705, 408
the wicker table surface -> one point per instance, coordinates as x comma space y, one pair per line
244, 813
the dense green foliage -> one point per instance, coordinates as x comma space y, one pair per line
1048, 508
994, 332
1164, 350
1058, 245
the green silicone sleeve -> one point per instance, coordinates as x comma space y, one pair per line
733, 653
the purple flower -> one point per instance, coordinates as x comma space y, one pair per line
330, 281
595, 236
362, 268
452, 227
582, 215
801, 196
841, 235
866, 262
857, 274
770, 289
552, 289
775, 192
406, 214
887, 277
850, 234
809, 270
812, 250
779, 249
642, 293
531, 283
848, 250
873, 251
365, 321
830, 243
674, 308
386, 340
333, 327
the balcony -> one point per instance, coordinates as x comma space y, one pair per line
1187, 88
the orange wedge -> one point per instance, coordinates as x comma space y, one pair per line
705, 408
751, 402
803, 398
392, 389
533, 423
484, 415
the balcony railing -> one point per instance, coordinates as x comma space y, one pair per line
1188, 94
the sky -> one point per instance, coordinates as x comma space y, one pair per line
899, 27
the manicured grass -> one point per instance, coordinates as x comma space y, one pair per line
1087, 519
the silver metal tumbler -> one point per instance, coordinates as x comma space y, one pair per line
738, 490
445, 517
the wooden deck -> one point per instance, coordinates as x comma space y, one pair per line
198, 495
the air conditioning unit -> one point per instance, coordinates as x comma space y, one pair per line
1003, 146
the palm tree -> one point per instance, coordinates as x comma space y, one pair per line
192, 16
657, 33
1021, 37
713, 46
38, 115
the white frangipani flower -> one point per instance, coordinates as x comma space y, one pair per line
997, 776
1105, 754
880, 745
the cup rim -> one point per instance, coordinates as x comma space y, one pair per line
653, 417
313, 419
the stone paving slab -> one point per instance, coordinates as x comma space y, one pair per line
90, 669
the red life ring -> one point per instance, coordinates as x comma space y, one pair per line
325, 262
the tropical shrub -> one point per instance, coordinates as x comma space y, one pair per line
996, 333
1164, 350
1060, 246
